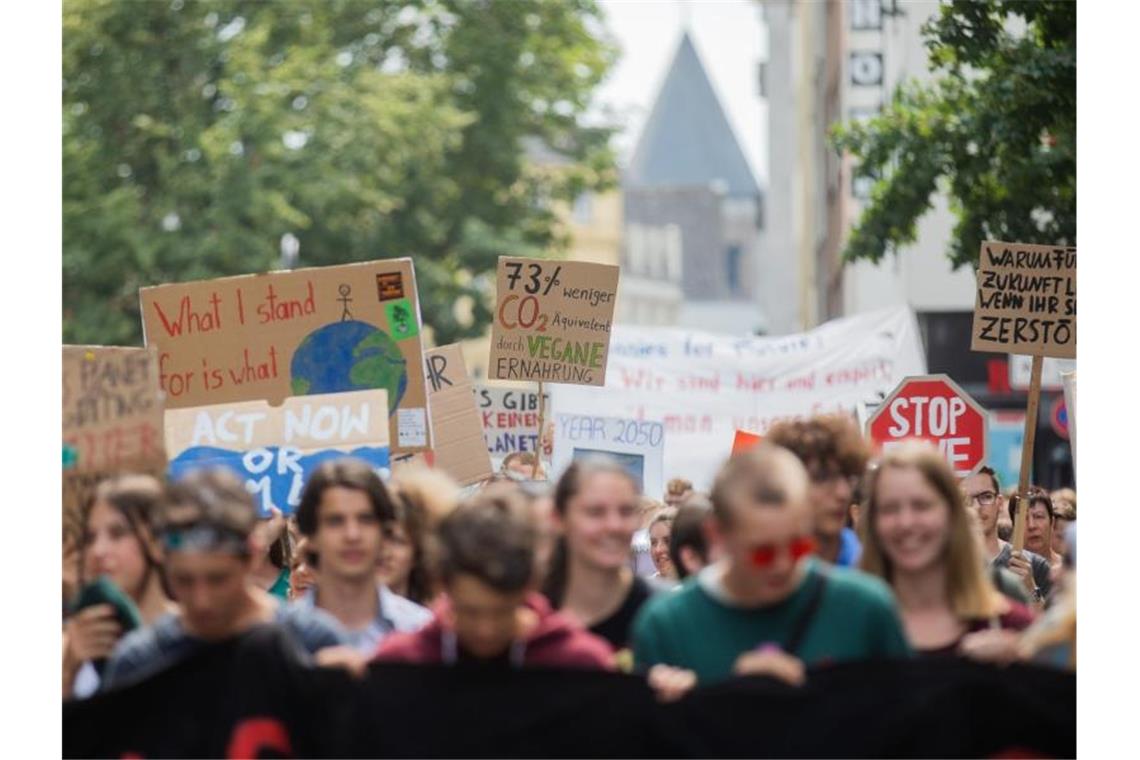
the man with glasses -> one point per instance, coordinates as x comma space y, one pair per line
984, 496
835, 455
768, 606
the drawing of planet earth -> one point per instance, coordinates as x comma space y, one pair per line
349, 356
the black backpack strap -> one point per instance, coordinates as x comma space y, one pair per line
807, 615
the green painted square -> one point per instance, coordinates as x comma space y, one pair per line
402, 322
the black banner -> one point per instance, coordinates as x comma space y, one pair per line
253, 698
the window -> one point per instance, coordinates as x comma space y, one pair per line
866, 14
732, 268
673, 252
866, 68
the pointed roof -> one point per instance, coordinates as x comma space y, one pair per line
687, 139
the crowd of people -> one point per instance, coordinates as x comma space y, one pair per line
806, 551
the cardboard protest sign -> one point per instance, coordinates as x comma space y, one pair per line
552, 321
934, 408
304, 332
706, 386
418, 459
112, 418
744, 441
460, 449
274, 449
638, 445
1026, 300
509, 417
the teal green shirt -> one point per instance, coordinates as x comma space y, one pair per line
691, 628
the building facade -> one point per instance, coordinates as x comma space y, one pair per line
693, 213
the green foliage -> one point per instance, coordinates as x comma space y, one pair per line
196, 134
996, 130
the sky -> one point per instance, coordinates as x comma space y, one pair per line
729, 36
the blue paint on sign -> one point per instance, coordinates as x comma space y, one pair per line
274, 474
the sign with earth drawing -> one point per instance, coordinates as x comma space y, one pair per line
552, 321
267, 337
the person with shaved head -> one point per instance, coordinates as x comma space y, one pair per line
769, 605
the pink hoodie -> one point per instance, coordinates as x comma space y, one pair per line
555, 642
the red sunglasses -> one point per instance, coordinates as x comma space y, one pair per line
798, 548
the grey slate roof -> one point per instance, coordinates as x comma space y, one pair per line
687, 139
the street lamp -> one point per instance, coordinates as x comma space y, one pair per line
290, 250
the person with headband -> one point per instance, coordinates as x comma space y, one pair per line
769, 606
206, 527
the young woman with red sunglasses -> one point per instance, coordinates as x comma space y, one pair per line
918, 539
768, 606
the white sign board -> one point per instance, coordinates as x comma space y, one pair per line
638, 445
706, 386
1021, 368
510, 418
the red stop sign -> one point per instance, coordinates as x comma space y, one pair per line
933, 408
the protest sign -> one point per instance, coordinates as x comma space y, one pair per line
112, 419
1026, 300
933, 408
637, 445
1026, 304
460, 449
552, 321
304, 332
744, 441
704, 387
275, 449
510, 418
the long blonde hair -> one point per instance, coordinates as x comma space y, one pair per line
971, 593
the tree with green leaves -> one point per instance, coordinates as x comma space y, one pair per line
996, 130
197, 134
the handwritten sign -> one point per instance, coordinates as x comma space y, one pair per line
306, 332
704, 387
112, 418
638, 445
275, 449
460, 449
1026, 300
552, 321
510, 418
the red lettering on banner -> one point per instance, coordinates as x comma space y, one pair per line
253, 736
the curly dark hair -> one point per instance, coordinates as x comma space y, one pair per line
826, 442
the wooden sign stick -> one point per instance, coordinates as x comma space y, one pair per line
541, 422
1027, 454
